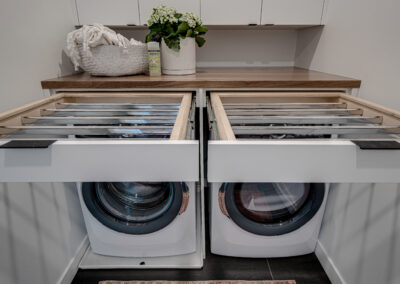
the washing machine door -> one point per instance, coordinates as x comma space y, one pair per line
135, 207
271, 209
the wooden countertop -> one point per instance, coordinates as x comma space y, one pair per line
275, 77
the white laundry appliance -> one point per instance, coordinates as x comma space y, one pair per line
271, 158
136, 219
266, 219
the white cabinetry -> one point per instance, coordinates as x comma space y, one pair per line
292, 12
146, 7
231, 12
107, 12
212, 12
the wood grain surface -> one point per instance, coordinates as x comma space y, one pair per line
274, 77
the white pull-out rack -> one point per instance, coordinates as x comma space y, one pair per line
124, 136
301, 137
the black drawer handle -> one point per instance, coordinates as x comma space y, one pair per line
27, 144
377, 144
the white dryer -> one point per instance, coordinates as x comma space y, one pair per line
136, 219
266, 219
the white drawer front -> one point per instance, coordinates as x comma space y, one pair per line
292, 12
79, 161
108, 12
230, 12
300, 161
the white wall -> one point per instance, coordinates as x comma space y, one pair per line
361, 39
41, 225
41, 229
242, 48
32, 36
360, 237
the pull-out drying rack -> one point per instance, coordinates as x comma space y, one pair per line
291, 116
102, 136
90, 115
301, 137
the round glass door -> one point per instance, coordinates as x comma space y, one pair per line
272, 208
134, 207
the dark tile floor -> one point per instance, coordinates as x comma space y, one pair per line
304, 269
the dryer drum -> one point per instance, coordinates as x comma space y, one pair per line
271, 208
134, 207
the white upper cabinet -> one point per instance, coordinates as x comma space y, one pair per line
108, 12
292, 12
146, 7
231, 12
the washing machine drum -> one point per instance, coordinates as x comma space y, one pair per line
271, 209
134, 207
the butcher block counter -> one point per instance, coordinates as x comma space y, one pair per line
273, 77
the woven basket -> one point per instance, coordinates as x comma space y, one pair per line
112, 60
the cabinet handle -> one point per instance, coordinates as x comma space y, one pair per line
377, 145
27, 144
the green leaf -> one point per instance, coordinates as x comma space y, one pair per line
157, 28
200, 41
173, 43
148, 36
182, 28
169, 30
201, 30
189, 33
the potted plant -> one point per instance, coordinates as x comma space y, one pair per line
178, 34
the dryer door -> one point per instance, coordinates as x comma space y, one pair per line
271, 208
135, 207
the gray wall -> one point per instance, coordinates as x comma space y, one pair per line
41, 226
360, 237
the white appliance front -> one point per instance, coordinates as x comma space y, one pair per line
176, 238
230, 239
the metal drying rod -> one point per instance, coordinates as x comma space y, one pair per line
315, 130
112, 120
90, 130
117, 106
106, 112
285, 105
106, 120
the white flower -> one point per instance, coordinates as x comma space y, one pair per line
162, 15
192, 19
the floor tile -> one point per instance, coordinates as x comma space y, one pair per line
304, 269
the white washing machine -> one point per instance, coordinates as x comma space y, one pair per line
266, 219
137, 219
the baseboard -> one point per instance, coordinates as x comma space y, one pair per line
69, 273
328, 265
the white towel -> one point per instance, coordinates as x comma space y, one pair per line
92, 36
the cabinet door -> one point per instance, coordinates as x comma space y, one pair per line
146, 7
231, 12
292, 12
108, 12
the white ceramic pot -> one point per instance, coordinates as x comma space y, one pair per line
182, 62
